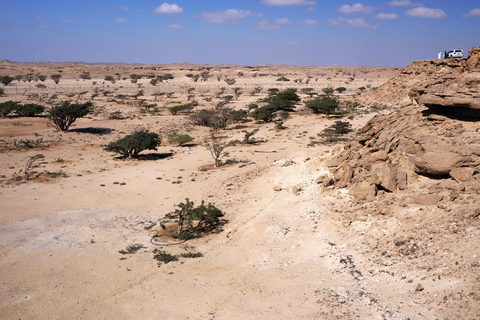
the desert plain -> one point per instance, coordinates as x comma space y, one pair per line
297, 245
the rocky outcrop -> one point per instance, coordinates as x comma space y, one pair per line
418, 142
396, 91
453, 90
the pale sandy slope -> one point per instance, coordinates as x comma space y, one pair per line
280, 255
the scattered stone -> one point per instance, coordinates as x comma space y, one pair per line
419, 288
297, 189
277, 188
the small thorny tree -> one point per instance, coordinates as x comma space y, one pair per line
216, 147
65, 114
131, 145
207, 217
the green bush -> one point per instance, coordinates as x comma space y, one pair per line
266, 113
205, 118
30, 110
7, 107
283, 79
131, 145
6, 80
65, 114
163, 256
2, 92
132, 249
333, 132
323, 104
179, 139
341, 89
180, 108
207, 218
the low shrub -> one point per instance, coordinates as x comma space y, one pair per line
131, 145
181, 108
29, 110
179, 139
7, 107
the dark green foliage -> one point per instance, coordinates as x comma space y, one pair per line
185, 235
283, 79
322, 104
6, 80
273, 90
179, 139
333, 132
247, 139
30, 110
207, 118
328, 91
181, 108
341, 127
132, 249
134, 78
239, 115
110, 78
7, 107
2, 92
207, 217
191, 255
56, 78
163, 256
131, 145
266, 113
341, 89
65, 114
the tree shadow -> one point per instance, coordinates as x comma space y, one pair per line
154, 156
93, 130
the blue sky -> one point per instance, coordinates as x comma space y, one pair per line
250, 32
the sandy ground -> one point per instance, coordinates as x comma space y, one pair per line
282, 255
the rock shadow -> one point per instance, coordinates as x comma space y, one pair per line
456, 113
93, 130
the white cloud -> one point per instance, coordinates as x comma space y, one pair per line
473, 13
310, 9
230, 15
357, 7
283, 21
265, 25
120, 20
387, 16
288, 2
403, 3
168, 8
423, 12
175, 26
67, 21
308, 22
355, 23
124, 8
38, 17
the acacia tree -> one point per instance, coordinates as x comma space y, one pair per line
6, 80
56, 77
65, 114
216, 148
131, 145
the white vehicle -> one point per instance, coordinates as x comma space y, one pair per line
457, 53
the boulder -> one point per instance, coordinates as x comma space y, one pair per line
462, 174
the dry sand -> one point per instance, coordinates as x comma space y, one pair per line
281, 256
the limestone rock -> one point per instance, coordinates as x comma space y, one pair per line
462, 174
